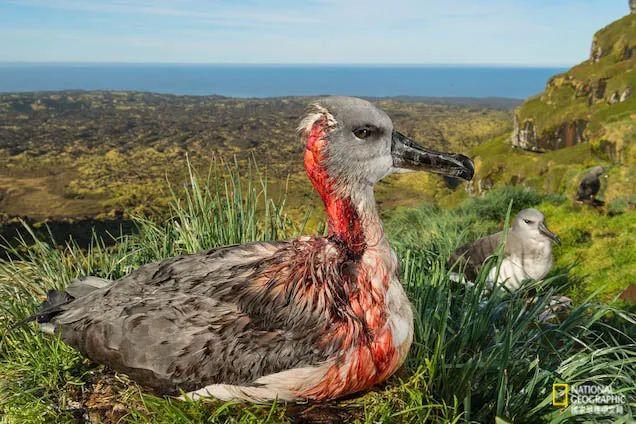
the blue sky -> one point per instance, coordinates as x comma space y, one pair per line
516, 32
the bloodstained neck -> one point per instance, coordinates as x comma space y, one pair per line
344, 220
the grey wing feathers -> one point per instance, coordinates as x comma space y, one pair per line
183, 342
191, 321
471, 256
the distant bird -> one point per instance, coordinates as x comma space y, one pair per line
527, 254
311, 318
590, 186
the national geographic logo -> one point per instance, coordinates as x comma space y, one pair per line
588, 399
561, 395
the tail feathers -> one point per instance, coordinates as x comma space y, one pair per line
56, 299
49, 308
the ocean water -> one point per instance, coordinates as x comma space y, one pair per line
281, 80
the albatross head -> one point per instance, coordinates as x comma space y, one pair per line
597, 170
529, 224
354, 144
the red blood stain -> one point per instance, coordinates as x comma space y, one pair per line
344, 222
370, 356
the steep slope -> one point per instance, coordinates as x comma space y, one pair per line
593, 102
585, 117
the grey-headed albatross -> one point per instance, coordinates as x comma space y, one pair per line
313, 318
527, 254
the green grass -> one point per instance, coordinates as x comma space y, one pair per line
474, 358
597, 246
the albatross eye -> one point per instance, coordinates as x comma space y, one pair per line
362, 133
527, 221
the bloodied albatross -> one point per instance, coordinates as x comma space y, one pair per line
527, 252
313, 318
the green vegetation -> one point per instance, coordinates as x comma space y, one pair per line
79, 154
596, 249
65, 173
475, 356
597, 242
108, 155
594, 101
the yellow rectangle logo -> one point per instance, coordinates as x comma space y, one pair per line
560, 394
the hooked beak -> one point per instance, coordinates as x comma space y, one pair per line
407, 154
549, 234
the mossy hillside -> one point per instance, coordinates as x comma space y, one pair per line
597, 248
498, 164
600, 91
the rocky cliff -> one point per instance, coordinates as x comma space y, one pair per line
592, 102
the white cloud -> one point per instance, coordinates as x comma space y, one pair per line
340, 31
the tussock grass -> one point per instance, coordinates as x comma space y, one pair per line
475, 357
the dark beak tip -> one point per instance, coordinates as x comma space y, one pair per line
468, 172
408, 154
555, 238
466, 168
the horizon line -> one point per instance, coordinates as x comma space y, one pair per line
164, 93
275, 64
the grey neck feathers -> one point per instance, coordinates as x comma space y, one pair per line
363, 201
